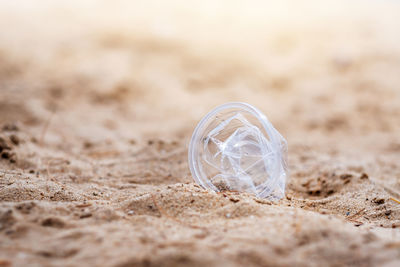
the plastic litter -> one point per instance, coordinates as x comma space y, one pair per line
235, 148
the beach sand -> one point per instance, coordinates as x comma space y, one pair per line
98, 101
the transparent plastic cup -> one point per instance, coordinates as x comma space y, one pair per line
235, 148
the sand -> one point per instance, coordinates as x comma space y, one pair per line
98, 101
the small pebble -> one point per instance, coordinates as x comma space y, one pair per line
378, 201
85, 215
14, 139
234, 200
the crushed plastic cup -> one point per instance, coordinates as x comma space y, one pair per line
235, 148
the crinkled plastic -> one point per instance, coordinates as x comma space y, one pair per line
235, 148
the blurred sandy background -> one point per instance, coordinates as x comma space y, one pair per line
98, 101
